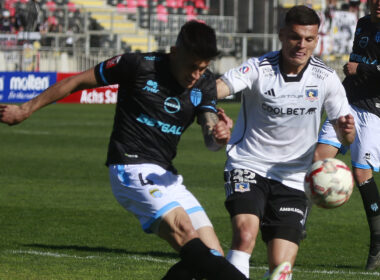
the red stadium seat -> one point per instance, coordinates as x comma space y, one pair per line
142, 3
162, 13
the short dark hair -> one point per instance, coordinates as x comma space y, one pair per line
199, 39
302, 15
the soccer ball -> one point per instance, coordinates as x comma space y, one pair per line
329, 183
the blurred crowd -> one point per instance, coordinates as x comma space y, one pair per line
38, 16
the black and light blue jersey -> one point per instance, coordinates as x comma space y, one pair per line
363, 89
152, 110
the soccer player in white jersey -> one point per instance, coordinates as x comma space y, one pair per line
274, 138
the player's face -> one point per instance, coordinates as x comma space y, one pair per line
187, 68
375, 10
298, 44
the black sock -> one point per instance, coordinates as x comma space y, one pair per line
208, 263
180, 271
371, 201
370, 196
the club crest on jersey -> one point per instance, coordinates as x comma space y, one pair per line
242, 187
113, 61
311, 94
156, 193
377, 37
196, 96
244, 69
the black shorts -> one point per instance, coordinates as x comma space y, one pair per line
281, 210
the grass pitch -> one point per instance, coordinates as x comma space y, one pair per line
59, 219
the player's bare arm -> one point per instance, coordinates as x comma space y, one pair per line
216, 129
345, 129
222, 89
14, 114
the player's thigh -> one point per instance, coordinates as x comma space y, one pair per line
323, 151
143, 189
365, 151
285, 214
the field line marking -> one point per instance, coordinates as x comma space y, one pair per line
58, 255
172, 261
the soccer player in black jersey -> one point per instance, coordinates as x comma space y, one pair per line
363, 92
159, 96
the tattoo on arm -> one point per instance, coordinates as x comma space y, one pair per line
207, 121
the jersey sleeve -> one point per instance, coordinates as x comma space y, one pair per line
116, 70
208, 95
336, 103
241, 77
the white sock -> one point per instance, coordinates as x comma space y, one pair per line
240, 260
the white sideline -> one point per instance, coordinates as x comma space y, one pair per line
172, 261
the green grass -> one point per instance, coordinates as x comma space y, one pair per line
59, 219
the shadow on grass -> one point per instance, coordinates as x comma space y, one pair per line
101, 250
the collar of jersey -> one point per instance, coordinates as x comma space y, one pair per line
296, 78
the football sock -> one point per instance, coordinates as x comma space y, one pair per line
370, 196
240, 260
371, 201
208, 262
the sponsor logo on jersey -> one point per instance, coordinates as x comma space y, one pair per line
319, 73
113, 61
152, 58
151, 86
288, 111
156, 193
242, 187
311, 111
244, 69
270, 92
362, 59
311, 94
377, 37
164, 127
363, 42
196, 96
172, 105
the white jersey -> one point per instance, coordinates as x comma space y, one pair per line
277, 127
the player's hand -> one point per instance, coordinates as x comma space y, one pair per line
12, 114
223, 117
346, 127
350, 68
222, 130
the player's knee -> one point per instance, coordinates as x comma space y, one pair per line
244, 239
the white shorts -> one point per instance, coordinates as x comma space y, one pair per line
150, 192
365, 150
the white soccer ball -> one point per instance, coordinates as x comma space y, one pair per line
329, 183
